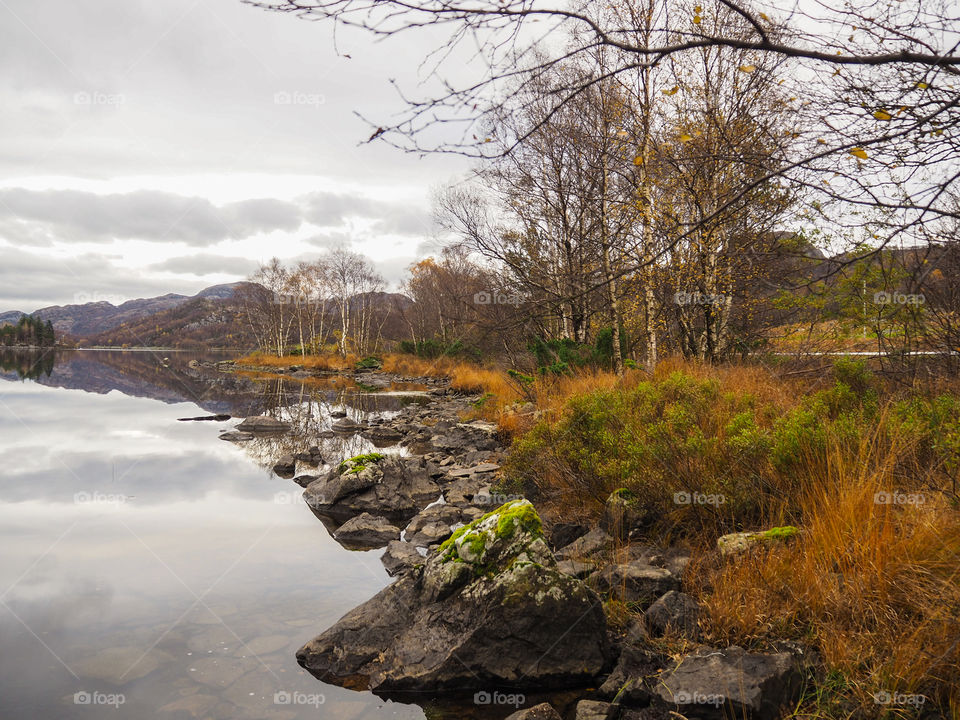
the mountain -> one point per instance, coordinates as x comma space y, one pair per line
88, 319
211, 318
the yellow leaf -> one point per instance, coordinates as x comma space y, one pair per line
696, 19
686, 138
671, 91
821, 141
764, 16
860, 153
882, 115
748, 68
638, 160
922, 85
698, 9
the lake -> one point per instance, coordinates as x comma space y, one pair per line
151, 569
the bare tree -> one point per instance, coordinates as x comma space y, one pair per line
873, 83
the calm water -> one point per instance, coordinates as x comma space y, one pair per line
146, 561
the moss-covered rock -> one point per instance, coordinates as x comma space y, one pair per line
513, 531
739, 542
488, 606
358, 463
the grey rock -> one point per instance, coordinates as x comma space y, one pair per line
576, 568
543, 711
304, 480
710, 684
286, 467
595, 710
399, 557
235, 436
366, 531
634, 582
263, 424
594, 542
346, 425
674, 610
491, 610
633, 679
394, 487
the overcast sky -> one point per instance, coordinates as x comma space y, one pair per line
151, 147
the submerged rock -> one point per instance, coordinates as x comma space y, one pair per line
263, 424
488, 608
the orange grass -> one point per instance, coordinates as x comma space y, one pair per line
875, 587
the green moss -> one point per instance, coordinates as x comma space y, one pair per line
781, 533
627, 495
358, 462
510, 516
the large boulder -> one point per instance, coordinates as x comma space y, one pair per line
732, 682
391, 486
489, 608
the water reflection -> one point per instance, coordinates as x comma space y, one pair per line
145, 558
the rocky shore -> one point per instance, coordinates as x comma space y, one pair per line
492, 600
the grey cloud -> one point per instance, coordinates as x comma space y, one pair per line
328, 209
29, 281
207, 264
34, 216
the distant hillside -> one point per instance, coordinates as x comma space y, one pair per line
94, 318
211, 318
